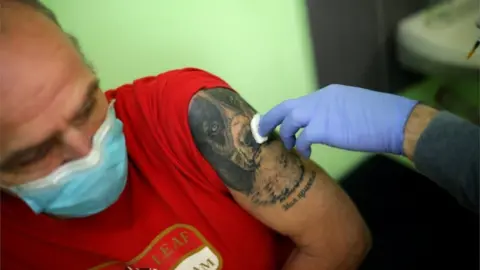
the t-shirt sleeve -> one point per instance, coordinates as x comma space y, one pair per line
448, 153
167, 101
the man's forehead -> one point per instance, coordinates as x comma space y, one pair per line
32, 79
41, 71
34, 52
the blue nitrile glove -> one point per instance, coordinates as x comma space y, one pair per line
341, 116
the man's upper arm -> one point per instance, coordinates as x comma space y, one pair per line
291, 195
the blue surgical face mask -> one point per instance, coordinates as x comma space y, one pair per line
85, 186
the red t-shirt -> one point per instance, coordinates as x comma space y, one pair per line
175, 212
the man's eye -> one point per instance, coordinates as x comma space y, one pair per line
35, 156
85, 112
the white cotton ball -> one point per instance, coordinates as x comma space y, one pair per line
254, 125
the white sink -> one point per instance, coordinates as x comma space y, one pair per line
438, 39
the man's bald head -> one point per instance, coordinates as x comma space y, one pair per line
40, 7
48, 13
46, 89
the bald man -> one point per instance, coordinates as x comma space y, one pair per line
160, 173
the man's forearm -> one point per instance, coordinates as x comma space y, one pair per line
445, 148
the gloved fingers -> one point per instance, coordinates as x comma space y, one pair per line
275, 117
304, 141
289, 142
290, 126
305, 152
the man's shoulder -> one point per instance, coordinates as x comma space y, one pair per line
170, 85
159, 106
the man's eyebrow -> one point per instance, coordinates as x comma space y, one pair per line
13, 159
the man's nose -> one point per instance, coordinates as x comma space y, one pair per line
76, 144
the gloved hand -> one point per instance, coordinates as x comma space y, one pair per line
344, 117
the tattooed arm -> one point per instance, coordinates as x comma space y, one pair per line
287, 193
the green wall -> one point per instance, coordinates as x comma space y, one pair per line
262, 48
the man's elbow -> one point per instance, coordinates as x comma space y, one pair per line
364, 245
343, 254
342, 245
357, 248
357, 242
355, 251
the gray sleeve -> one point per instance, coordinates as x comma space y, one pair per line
448, 153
